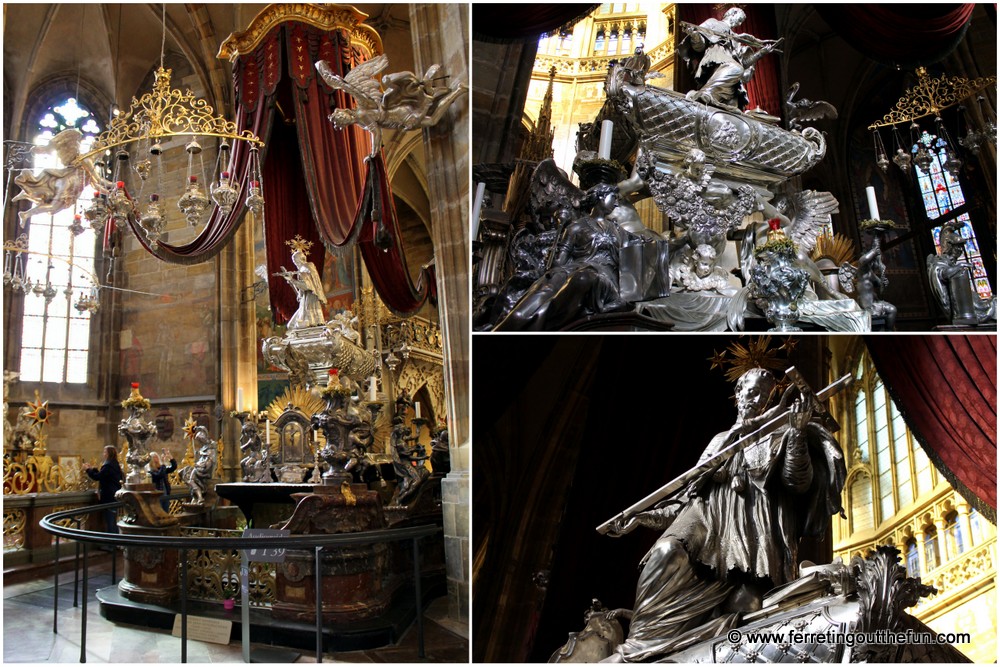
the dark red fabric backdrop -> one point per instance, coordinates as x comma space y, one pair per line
512, 22
904, 34
946, 389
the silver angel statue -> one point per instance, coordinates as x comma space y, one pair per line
400, 101
55, 189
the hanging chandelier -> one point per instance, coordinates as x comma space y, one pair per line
928, 98
142, 174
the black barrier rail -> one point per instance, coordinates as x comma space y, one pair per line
291, 543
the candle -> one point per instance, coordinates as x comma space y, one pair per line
239, 399
872, 203
477, 209
416, 408
267, 427
371, 389
604, 148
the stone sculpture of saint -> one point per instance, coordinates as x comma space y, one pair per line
308, 286
199, 476
733, 533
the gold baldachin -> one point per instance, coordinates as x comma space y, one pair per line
325, 17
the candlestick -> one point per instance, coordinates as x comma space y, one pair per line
239, 399
267, 423
416, 408
371, 389
872, 203
604, 148
477, 209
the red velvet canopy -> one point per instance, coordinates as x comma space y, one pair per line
946, 389
324, 167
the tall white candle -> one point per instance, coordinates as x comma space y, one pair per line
477, 209
239, 399
416, 408
604, 148
872, 203
371, 389
267, 428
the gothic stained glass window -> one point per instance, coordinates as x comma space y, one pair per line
55, 337
941, 193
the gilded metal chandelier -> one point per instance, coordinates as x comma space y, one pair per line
928, 98
139, 139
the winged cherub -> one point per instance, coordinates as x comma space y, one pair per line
56, 188
401, 101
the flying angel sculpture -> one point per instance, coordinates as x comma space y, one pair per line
399, 101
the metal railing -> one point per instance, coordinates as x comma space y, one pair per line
315, 543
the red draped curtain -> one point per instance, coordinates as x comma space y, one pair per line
900, 34
314, 182
946, 389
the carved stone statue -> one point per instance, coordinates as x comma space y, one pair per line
55, 189
403, 100
951, 281
199, 476
723, 59
308, 286
733, 532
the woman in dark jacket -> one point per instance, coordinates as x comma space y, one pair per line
161, 475
109, 481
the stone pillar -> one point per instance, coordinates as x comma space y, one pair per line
440, 36
237, 341
965, 524
944, 551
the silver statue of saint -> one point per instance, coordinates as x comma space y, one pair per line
732, 532
308, 286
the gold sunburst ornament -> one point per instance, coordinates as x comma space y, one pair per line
39, 410
189, 426
299, 244
758, 353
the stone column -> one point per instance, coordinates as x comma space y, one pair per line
944, 551
237, 340
965, 524
921, 556
440, 36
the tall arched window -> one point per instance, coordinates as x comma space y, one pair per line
901, 471
931, 552
942, 193
957, 539
862, 516
55, 337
